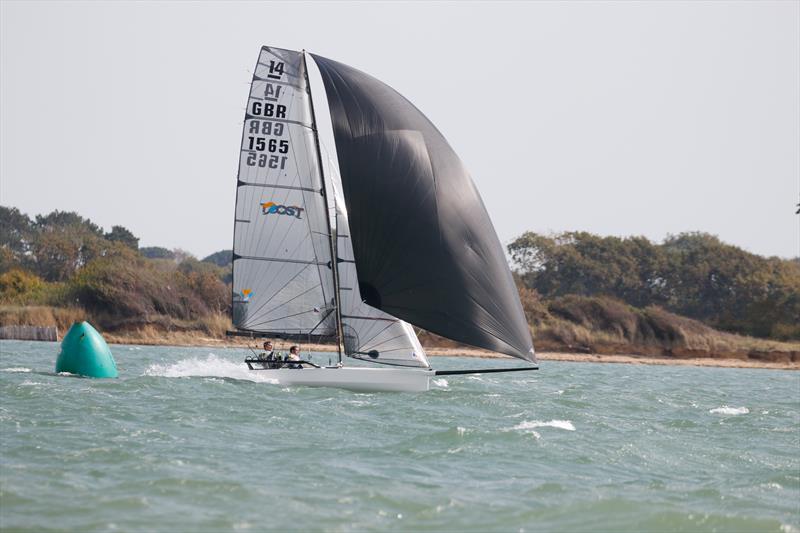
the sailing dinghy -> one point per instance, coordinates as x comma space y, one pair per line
393, 234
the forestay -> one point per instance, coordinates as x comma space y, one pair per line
282, 277
424, 246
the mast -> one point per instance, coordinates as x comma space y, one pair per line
334, 252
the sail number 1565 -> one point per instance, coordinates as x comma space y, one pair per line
273, 145
265, 160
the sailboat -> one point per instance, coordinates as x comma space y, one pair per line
393, 233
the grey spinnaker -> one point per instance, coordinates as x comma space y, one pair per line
424, 246
282, 274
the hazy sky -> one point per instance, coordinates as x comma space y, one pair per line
616, 118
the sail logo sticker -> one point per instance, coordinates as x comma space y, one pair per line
268, 208
246, 294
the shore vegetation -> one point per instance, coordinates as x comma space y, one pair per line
691, 296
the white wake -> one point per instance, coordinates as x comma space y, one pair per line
725, 410
212, 367
440, 382
560, 424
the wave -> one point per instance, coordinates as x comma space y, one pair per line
560, 424
210, 367
440, 382
725, 410
17, 369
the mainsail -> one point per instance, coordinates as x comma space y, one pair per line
282, 254
425, 249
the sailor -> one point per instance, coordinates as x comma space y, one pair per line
268, 355
294, 355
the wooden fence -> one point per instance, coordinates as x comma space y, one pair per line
29, 333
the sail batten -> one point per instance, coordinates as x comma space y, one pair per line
424, 247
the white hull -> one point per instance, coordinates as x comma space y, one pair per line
354, 378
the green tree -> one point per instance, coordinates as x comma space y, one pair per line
66, 219
221, 258
65, 242
585, 264
693, 274
123, 236
16, 232
156, 252
59, 252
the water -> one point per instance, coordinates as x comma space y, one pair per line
187, 439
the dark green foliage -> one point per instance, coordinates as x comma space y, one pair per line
16, 230
123, 236
62, 243
221, 258
692, 274
53, 246
58, 254
59, 220
156, 252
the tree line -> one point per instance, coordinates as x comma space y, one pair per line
65, 260
690, 274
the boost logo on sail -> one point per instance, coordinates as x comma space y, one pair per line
269, 208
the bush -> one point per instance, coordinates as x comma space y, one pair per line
128, 289
19, 286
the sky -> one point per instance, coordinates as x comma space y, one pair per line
618, 118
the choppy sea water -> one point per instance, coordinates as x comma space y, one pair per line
188, 439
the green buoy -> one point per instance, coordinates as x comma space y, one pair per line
85, 352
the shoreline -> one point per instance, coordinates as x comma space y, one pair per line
181, 339
192, 339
